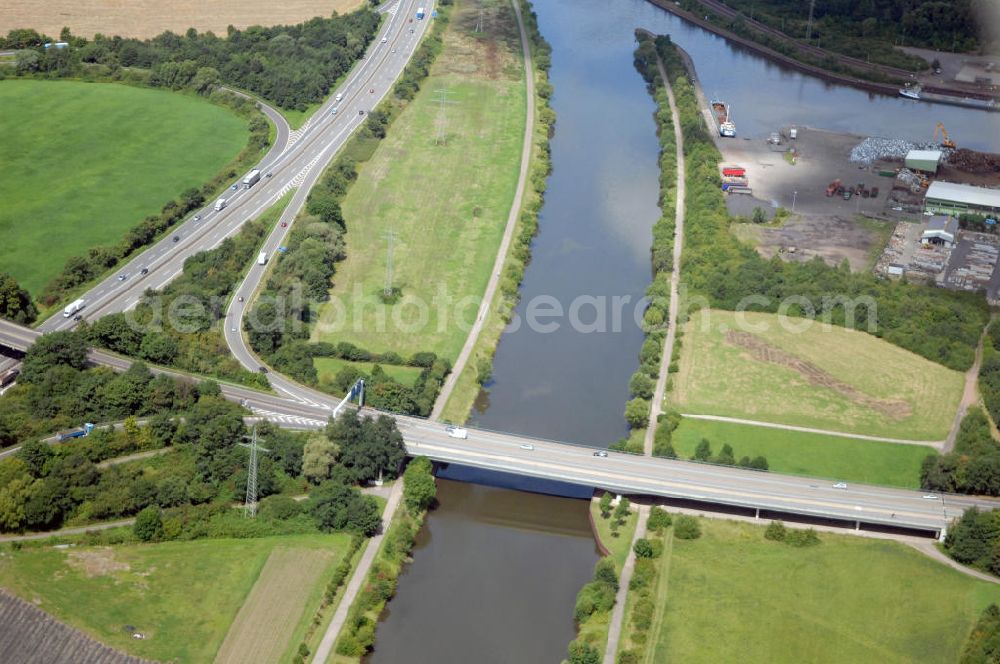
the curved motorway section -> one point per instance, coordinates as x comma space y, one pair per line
296, 161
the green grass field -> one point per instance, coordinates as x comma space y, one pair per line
182, 595
825, 377
733, 596
442, 182
618, 546
818, 455
84, 162
328, 367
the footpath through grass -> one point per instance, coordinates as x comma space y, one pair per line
182, 596
734, 596
812, 454
441, 183
85, 162
759, 366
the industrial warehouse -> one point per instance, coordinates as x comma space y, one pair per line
955, 199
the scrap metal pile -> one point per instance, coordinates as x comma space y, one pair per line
909, 179
971, 161
874, 148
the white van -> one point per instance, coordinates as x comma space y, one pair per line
262, 258
340, 96
457, 432
220, 204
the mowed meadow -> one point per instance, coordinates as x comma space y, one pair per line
182, 596
733, 596
758, 366
442, 183
148, 18
85, 162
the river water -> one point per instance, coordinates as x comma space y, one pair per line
494, 579
495, 572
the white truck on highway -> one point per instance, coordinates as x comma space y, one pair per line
252, 178
220, 204
72, 308
262, 258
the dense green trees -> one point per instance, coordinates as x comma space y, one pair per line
974, 539
597, 596
983, 645
974, 464
337, 506
291, 65
871, 28
15, 302
419, 487
989, 371
370, 448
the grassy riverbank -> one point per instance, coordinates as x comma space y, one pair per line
467, 118
480, 364
88, 161
845, 599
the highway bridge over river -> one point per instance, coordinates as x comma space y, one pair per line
765, 493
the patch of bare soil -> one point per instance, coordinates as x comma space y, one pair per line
762, 351
96, 562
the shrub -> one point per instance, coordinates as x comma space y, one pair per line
594, 597
802, 538
659, 519
583, 653
148, 524
604, 572
645, 548
279, 507
627, 657
776, 531
687, 527
604, 504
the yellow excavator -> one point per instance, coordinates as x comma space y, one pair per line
946, 142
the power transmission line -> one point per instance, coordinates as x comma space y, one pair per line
809, 23
250, 506
442, 120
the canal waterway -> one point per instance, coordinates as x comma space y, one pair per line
594, 229
496, 571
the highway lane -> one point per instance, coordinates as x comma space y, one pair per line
404, 34
308, 149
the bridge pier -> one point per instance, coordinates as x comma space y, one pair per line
756, 514
857, 525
